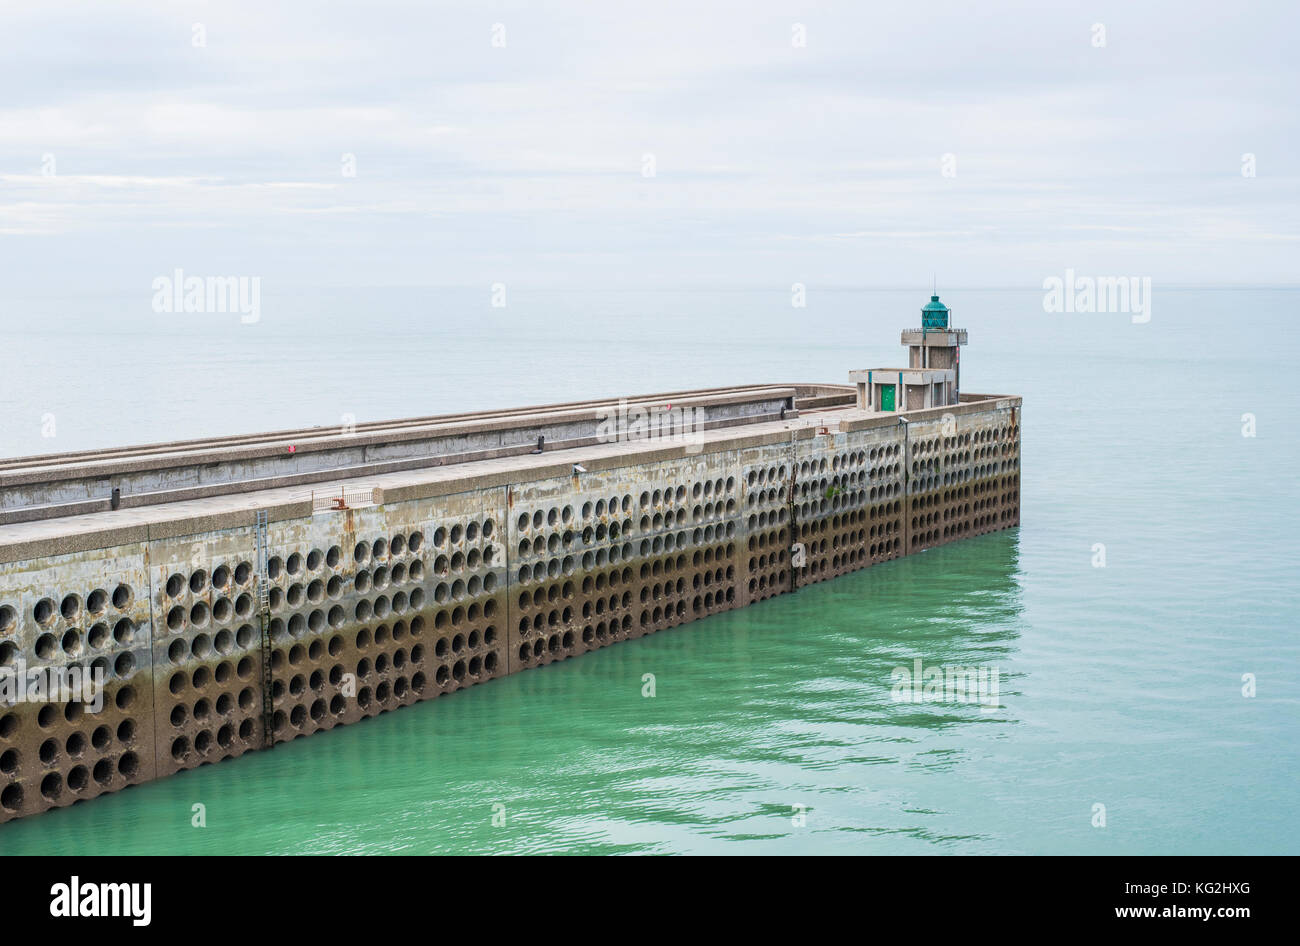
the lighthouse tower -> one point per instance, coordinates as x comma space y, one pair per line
936, 344
933, 375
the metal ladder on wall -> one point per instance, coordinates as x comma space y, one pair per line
798, 551
264, 615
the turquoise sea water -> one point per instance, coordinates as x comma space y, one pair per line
1120, 686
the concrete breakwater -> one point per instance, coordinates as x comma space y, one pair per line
232, 594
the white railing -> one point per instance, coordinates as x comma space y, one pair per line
342, 497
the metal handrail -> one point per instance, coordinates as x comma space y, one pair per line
342, 497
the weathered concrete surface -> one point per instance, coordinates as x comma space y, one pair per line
74, 484
458, 575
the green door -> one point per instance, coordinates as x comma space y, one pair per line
886, 397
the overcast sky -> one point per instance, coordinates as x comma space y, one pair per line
128, 147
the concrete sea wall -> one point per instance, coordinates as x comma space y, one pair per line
449, 583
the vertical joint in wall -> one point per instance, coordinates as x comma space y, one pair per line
264, 620
508, 549
793, 508
907, 485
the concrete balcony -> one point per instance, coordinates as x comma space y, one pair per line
937, 338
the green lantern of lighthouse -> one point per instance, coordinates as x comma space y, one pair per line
934, 315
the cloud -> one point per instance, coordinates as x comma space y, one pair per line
390, 132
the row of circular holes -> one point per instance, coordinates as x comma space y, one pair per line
446, 671
841, 483
474, 667
948, 461
198, 580
44, 611
780, 581
400, 545
225, 643
989, 435
648, 570
400, 687
838, 481
124, 698
857, 536
657, 590
952, 495
850, 518
835, 497
378, 579
48, 645
762, 562
761, 520
74, 746
699, 604
556, 516
297, 628
820, 507
225, 739
760, 476
202, 676
947, 515
766, 497
222, 575
380, 636
933, 499
938, 464
203, 708
400, 602
927, 483
598, 559
558, 617
363, 581
839, 530
851, 538
79, 776
857, 458
541, 545
559, 643
73, 712
845, 521
948, 532
848, 560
